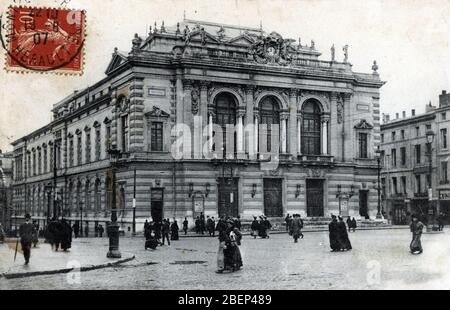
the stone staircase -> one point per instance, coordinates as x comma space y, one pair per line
317, 224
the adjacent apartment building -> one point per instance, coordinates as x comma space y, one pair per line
415, 171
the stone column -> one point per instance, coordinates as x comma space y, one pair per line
210, 129
324, 135
299, 132
348, 144
187, 111
240, 134
336, 127
256, 131
204, 111
136, 118
293, 140
249, 119
283, 121
179, 98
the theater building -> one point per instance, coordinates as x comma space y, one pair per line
208, 78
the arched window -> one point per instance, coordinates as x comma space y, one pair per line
87, 196
311, 128
225, 105
70, 199
269, 113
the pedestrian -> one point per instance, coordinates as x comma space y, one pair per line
26, 231
208, 225
76, 229
354, 225
66, 235
86, 230
174, 230
202, 223
165, 231
235, 242
101, 230
213, 226
262, 230
223, 240
344, 241
150, 239
288, 219
35, 234
2, 234
221, 225
416, 229
185, 225
254, 227
157, 229
333, 233
237, 222
267, 226
296, 225
440, 220
146, 225
197, 224
349, 224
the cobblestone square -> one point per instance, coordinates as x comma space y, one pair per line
379, 260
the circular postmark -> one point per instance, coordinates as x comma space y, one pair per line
43, 39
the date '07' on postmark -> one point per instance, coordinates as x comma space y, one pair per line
44, 40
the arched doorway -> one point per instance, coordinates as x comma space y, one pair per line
269, 114
311, 127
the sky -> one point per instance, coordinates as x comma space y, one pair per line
409, 39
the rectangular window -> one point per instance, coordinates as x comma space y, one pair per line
444, 138
428, 180
383, 159
394, 185
52, 157
88, 147
34, 163
383, 187
79, 151
393, 136
71, 153
418, 154
403, 180
444, 173
39, 162
402, 133
382, 138
417, 131
157, 136
443, 116
403, 156
394, 157
45, 160
363, 145
428, 127
125, 133
107, 137
97, 144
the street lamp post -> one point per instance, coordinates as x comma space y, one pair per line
113, 228
430, 222
378, 156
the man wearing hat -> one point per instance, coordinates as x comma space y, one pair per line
416, 229
26, 232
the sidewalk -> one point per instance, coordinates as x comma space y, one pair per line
84, 255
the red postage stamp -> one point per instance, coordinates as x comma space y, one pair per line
45, 39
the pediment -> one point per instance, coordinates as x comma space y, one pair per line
363, 125
197, 36
116, 61
242, 40
157, 112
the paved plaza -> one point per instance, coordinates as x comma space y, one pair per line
379, 260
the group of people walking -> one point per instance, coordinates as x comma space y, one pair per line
229, 256
260, 227
339, 240
157, 233
59, 234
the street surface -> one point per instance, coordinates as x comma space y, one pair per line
379, 260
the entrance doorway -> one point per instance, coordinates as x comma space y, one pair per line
314, 197
157, 199
273, 202
400, 216
363, 203
228, 197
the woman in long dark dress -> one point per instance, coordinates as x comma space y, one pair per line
343, 239
333, 229
235, 242
223, 240
174, 230
416, 229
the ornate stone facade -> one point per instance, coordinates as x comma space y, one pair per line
205, 77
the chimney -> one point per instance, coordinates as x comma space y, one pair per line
396, 115
388, 117
444, 92
403, 114
413, 112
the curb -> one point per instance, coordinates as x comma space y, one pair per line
273, 232
64, 270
